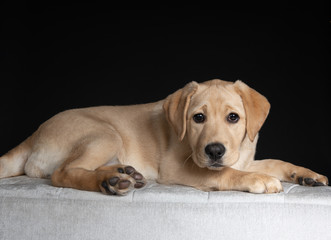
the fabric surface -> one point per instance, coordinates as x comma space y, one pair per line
33, 209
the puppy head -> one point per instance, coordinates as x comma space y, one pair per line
215, 117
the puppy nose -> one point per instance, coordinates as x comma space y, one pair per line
215, 151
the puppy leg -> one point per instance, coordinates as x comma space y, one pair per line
226, 179
13, 162
84, 169
116, 180
231, 179
288, 172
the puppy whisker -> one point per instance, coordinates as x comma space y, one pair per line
187, 159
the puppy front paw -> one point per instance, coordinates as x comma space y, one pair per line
307, 177
261, 183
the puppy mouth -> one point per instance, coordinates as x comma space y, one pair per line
202, 162
215, 166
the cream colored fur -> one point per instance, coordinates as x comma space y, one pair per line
89, 148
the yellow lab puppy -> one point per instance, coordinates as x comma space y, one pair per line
203, 135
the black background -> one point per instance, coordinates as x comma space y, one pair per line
59, 56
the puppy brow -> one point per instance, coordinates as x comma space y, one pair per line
200, 108
231, 108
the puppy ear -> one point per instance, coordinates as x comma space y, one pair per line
176, 105
256, 108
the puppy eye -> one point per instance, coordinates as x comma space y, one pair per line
199, 118
233, 118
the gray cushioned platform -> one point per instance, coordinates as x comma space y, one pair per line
33, 209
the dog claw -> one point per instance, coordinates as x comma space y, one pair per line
318, 184
120, 170
129, 170
107, 190
139, 185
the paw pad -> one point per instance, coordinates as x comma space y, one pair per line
126, 178
309, 182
